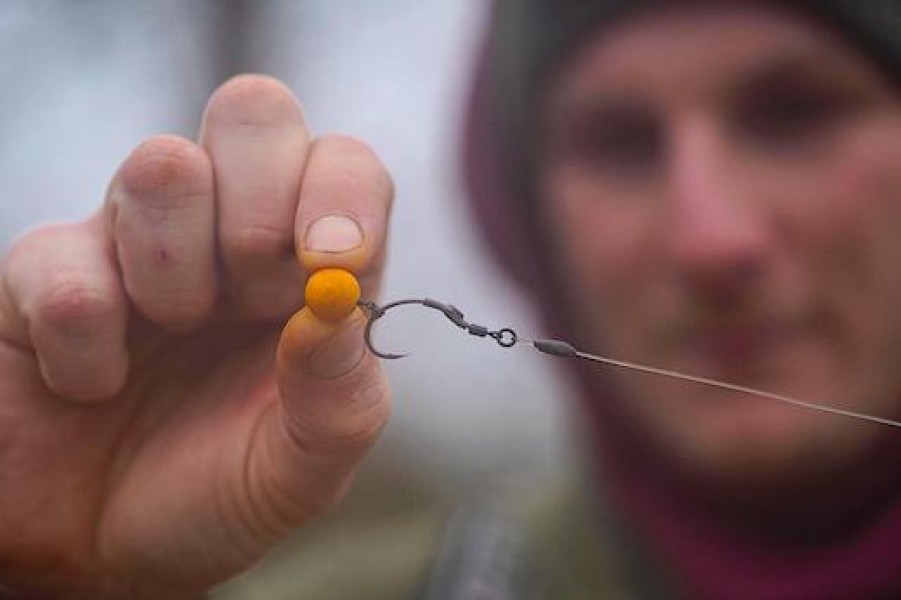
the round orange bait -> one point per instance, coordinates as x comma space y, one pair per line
332, 294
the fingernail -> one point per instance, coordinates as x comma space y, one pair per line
333, 233
339, 354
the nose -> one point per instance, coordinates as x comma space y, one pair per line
718, 234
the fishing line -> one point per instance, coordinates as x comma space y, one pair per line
507, 337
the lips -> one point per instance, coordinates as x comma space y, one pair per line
738, 344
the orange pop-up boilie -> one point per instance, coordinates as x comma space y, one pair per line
332, 294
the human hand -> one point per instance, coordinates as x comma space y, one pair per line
157, 432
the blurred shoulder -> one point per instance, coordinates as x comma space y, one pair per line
399, 539
378, 545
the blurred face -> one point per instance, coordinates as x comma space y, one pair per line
723, 190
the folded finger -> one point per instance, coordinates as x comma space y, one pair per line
255, 132
161, 214
64, 288
345, 202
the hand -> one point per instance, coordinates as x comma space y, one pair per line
157, 431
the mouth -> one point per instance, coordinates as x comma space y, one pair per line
738, 345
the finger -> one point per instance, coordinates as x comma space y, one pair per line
64, 287
334, 402
255, 133
160, 207
345, 201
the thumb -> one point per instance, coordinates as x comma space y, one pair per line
334, 401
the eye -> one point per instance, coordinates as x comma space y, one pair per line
618, 141
789, 114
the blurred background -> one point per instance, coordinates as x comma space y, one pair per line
83, 82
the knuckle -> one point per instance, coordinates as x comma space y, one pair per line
165, 168
259, 241
317, 501
75, 306
373, 403
253, 100
180, 313
358, 433
365, 413
86, 384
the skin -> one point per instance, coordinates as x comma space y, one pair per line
733, 214
160, 426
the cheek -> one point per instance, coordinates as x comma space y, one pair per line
851, 204
866, 270
845, 226
608, 245
840, 229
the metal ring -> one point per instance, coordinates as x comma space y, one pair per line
505, 337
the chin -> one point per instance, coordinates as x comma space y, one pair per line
747, 444
758, 460
751, 445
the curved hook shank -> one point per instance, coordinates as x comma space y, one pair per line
367, 336
376, 312
505, 337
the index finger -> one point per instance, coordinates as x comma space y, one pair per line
342, 218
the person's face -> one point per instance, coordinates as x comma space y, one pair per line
723, 192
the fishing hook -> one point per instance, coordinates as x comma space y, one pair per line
505, 337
